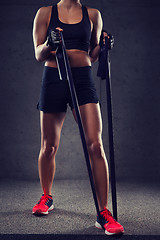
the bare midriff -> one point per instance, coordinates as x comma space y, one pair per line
77, 58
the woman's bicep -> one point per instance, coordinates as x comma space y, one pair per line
39, 28
97, 28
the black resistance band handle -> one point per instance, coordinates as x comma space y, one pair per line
65, 73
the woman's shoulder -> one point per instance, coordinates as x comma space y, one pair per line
93, 10
93, 13
44, 9
43, 13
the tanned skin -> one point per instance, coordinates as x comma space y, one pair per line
70, 11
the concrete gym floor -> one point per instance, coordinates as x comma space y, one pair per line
74, 214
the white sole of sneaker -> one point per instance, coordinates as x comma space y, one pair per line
97, 225
43, 213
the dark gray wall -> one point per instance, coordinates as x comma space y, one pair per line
135, 89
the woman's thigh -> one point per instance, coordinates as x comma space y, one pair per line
92, 121
51, 125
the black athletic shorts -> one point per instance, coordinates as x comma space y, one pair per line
55, 93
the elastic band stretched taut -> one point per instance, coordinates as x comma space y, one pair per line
104, 73
65, 73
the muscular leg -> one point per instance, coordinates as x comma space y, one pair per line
91, 118
51, 125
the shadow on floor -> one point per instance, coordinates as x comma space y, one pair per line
74, 237
74, 214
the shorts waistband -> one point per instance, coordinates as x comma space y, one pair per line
73, 68
77, 72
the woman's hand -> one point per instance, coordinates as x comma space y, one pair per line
110, 39
54, 38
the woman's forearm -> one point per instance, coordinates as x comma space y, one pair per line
94, 53
42, 52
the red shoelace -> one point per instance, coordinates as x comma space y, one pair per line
43, 199
108, 216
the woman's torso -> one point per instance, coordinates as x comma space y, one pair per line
78, 22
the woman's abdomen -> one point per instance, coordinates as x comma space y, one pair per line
77, 58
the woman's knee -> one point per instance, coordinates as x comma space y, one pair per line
95, 149
49, 150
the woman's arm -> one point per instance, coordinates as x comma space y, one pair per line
96, 19
40, 26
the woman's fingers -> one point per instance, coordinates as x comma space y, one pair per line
60, 29
104, 36
110, 39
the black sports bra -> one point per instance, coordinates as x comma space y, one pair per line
76, 36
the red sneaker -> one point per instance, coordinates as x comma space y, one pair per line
44, 205
110, 225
